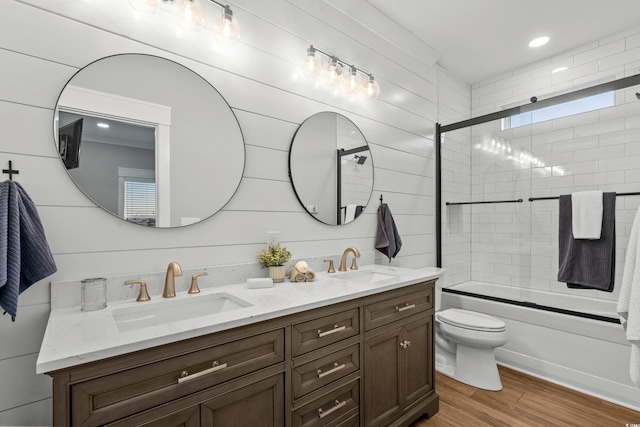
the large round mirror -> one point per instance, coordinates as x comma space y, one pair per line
149, 140
331, 168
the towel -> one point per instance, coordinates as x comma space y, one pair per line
388, 240
586, 214
25, 257
587, 264
350, 213
628, 307
295, 275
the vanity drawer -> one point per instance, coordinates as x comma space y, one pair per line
316, 333
114, 396
398, 306
323, 370
330, 407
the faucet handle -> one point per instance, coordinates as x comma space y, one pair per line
331, 269
143, 295
193, 289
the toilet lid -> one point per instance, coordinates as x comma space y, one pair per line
471, 320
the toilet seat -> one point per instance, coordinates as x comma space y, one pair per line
471, 320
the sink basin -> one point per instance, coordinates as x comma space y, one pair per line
167, 311
366, 276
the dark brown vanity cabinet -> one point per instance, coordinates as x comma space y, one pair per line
364, 362
399, 356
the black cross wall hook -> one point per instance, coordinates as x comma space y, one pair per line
11, 171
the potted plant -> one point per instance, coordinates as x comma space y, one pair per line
274, 257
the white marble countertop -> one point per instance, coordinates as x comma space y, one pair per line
74, 337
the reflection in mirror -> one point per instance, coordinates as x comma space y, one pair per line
149, 140
331, 168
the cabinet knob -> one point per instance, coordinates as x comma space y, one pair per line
405, 344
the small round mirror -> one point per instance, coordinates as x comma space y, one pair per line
331, 168
149, 140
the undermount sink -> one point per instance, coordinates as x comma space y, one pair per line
170, 310
365, 276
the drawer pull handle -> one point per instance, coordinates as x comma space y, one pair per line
184, 376
330, 411
335, 368
406, 307
335, 329
405, 344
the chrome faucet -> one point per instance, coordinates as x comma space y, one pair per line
169, 282
343, 260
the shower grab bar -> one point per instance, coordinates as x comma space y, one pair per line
533, 199
482, 203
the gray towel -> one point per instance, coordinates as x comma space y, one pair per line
25, 257
388, 240
587, 264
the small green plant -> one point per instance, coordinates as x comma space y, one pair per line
273, 255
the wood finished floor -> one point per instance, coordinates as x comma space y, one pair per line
524, 401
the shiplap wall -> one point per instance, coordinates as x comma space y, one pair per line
43, 43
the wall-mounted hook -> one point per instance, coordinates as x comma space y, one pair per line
11, 171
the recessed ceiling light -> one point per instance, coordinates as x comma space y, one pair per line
537, 42
557, 70
103, 125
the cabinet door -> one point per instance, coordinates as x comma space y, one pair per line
257, 404
382, 382
416, 357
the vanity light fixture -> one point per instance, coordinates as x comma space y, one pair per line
336, 71
332, 72
191, 16
352, 82
311, 64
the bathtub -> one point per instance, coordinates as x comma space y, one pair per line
574, 341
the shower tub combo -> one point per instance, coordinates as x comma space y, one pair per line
580, 345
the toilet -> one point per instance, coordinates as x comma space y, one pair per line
465, 344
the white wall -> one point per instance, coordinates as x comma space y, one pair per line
43, 43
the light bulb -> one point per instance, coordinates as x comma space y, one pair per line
371, 89
332, 72
311, 64
227, 27
145, 6
190, 15
352, 82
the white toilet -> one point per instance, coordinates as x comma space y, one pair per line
465, 343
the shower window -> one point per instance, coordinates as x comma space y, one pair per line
578, 106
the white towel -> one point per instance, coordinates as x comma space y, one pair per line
586, 214
629, 300
350, 213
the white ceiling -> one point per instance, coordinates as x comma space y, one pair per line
477, 39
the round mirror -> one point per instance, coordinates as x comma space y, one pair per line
331, 168
149, 140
